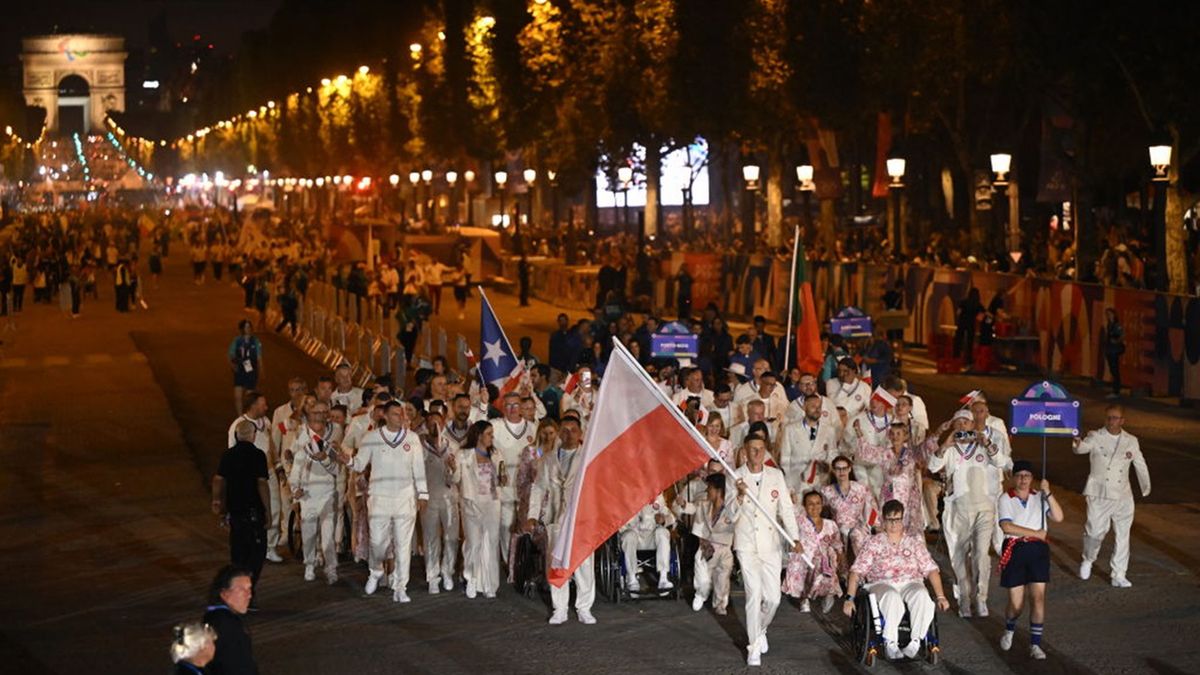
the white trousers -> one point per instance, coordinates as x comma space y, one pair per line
761, 579
439, 529
712, 575
481, 563
969, 534
585, 589
893, 598
392, 521
507, 513
276, 508
658, 540
317, 520
1102, 514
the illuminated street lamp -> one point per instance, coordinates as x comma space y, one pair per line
394, 179
469, 180
1160, 159
750, 174
430, 202
501, 178
451, 179
804, 174
895, 170
414, 177
1001, 166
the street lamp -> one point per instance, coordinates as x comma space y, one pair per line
804, 174
1160, 159
1001, 163
895, 169
451, 179
750, 173
1001, 166
501, 178
414, 177
469, 179
431, 203
530, 176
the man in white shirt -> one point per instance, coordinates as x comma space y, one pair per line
693, 385
774, 396
723, 404
713, 526
848, 390
806, 448
808, 389
582, 398
556, 479
254, 410
755, 412
758, 544
1109, 495
511, 435
974, 466
397, 492
288, 416
439, 522
649, 529
345, 393
314, 479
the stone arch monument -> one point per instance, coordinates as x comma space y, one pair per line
78, 79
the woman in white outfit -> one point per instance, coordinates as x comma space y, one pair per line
476, 474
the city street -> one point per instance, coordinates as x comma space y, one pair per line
111, 426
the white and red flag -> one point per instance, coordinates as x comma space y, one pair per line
970, 397
637, 445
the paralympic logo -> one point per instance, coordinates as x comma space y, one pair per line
65, 47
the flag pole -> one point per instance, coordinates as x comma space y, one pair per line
520, 364
620, 349
787, 336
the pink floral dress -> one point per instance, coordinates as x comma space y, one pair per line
902, 479
825, 547
854, 511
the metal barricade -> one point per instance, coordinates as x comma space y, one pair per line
461, 360
441, 341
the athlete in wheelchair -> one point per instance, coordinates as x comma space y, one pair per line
894, 608
649, 530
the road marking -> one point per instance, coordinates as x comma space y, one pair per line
15, 362
93, 359
53, 361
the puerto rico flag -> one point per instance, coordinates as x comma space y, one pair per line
498, 364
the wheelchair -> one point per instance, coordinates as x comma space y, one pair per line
866, 632
529, 567
612, 576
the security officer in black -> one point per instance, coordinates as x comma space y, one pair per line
239, 496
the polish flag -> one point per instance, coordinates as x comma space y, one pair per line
970, 397
637, 445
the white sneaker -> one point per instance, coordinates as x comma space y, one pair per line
400, 596
490, 596
892, 651
331, 577
697, 603
1036, 653
981, 609
585, 617
763, 647
434, 587
910, 650
964, 610
272, 556
470, 589
664, 584
310, 573
1006, 640
804, 606
558, 618
372, 583
1121, 582
633, 587
448, 583
753, 657
1085, 570
827, 604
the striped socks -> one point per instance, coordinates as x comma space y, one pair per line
1035, 633
1010, 625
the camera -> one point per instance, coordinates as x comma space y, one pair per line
964, 435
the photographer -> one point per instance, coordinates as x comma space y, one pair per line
974, 463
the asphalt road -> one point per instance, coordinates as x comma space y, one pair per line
110, 426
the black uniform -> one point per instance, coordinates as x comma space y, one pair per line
235, 655
242, 466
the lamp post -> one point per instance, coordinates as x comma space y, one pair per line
1001, 165
750, 173
1160, 159
624, 180
530, 176
451, 179
895, 169
469, 179
430, 201
501, 178
414, 177
804, 174
394, 181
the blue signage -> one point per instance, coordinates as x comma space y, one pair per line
1046, 409
851, 322
674, 340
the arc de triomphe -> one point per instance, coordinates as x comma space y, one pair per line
76, 78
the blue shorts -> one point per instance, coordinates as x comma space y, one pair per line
1028, 564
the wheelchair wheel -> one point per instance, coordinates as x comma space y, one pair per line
675, 573
347, 531
933, 649
608, 572
864, 631
527, 567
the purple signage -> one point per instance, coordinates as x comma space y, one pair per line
1045, 410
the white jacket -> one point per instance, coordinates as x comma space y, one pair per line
644, 521
718, 529
555, 479
1111, 456
510, 440
799, 451
754, 530
396, 472
315, 477
853, 397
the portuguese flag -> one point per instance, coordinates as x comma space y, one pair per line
808, 326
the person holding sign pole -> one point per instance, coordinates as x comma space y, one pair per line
1109, 496
1025, 561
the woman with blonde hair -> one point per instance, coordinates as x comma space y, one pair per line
192, 647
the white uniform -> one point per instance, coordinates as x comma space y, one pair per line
643, 533
802, 448
712, 573
853, 397
397, 461
829, 413
975, 479
726, 414
555, 482
477, 482
705, 396
875, 432
759, 546
739, 431
775, 405
262, 440
509, 440
1109, 494
439, 522
353, 399
314, 486
581, 400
